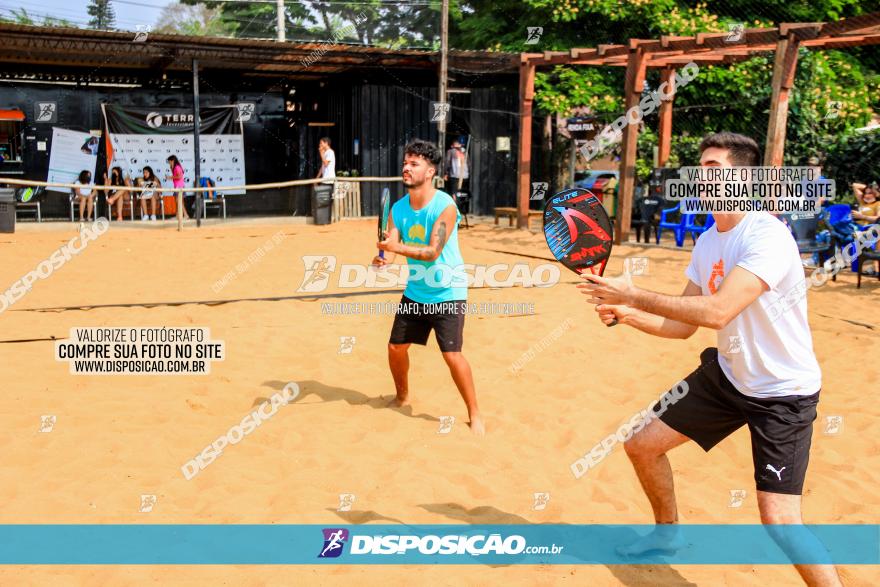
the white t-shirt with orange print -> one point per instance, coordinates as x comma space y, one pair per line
763, 352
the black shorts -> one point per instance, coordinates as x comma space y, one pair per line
414, 322
781, 427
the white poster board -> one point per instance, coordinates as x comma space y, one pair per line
222, 157
70, 153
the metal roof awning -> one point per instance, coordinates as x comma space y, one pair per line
107, 51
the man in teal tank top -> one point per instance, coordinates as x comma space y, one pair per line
423, 227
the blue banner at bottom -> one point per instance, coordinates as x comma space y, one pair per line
560, 544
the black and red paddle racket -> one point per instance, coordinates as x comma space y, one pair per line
578, 231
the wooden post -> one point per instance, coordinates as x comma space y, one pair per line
179, 210
635, 81
664, 144
444, 78
784, 69
526, 97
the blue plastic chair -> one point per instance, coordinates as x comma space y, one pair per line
687, 224
695, 229
677, 228
836, 213
839, 213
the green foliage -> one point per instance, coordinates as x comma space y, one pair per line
369, 22
645, 154
102, 15
563, 89
832, 97
21, 16
198, 20
853, 158
732, 97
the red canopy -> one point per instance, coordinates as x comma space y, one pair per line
11, 114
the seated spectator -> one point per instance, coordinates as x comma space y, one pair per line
869, 206
85, 196
117, 196
149, 180
207, 182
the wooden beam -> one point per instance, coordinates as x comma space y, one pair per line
843, 41
784, 69
708, 38
635, 81
524, 163
851, 25
665, 128
717, 41
803, 30
666, 39
684, 60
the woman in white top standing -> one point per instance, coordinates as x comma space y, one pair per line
84, 195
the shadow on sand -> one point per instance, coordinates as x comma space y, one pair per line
631, 575
352, 397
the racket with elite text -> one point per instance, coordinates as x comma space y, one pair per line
384, 212
578, 231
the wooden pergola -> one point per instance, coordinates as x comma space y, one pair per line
667, 54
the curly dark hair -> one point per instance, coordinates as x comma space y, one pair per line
424, 149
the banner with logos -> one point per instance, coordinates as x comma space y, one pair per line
71, 153
414, 544
140, 137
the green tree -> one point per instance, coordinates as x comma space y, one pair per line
369, 22
198, 20
21, 16
732, 97
102, 15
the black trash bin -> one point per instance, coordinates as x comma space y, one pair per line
7, 210
322, 203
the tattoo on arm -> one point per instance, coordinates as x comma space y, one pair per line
441, 237
426, 253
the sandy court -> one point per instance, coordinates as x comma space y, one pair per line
119, 437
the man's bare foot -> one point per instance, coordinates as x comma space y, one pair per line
398, 402
477, 426
663, 539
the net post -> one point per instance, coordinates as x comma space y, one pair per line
179, 210
200, 196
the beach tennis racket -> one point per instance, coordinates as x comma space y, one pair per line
384, 212
578, 231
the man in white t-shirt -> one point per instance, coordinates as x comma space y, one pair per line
328, 159
764, 373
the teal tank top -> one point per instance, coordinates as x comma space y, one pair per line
431, 282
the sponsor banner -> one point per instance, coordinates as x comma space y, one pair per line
139, 137
437, 544
71, 152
